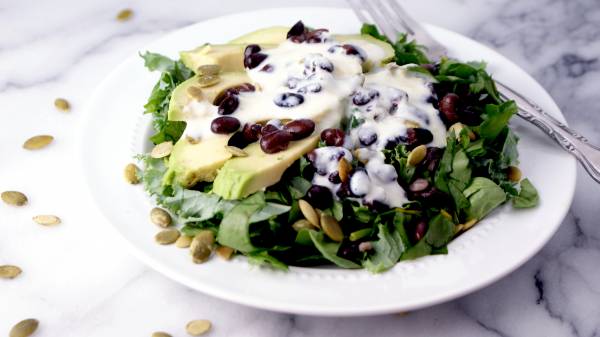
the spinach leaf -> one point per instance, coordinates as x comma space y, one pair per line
196, 206
422, 248
329, 250
454, 173
472, 74
528, 196
263, 258
409, 52
387, 249
441, 230
368, 29
484, 196
496, 117
298, 187
398, 157
509, 155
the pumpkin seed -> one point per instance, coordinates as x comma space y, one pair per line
198, 327
417, 155
302, 224
411, 124
160, 217
130, 174
514, 174
469, 224
46, 220
344, 169
162, 150
167, 236
208, 80
202, 246
192, 140
160, 334
183, 241
37, 142
236, 151
225, 252
24, 328
209, 69
124, 14
309, 212
458, 228
331, 227
457, 129
62, 104
14, 198
9, 271
195, 93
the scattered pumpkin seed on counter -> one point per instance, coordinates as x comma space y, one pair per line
167, 236
24, 328
162, 150
46, 220
160, 217
202, 246
198, 327
14, 198
62, 104
9, 271
131, 174
38, 142
161, 334
124, 15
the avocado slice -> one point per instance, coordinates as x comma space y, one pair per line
192, 162
379, 52
180, 97
242, 176
269, 35
229, 56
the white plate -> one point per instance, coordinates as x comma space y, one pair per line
115, 131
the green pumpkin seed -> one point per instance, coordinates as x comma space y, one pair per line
167, 236
46, 220
202, 246
302, 224
124, 15
162, 150
24, 328
331, 227
195, 93
62, 104
208, 80
514, 174
416, 156
160, 217
209, 69
37, 142
225, 252
130, 174
309, 212
14, 198
183, 241
160, 334
344, 169
198, 327
236, 151
9, 271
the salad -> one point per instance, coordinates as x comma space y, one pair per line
299, 147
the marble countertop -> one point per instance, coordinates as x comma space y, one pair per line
79, 281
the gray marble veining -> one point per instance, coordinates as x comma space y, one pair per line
65, 47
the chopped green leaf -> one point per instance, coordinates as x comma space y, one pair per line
264, 259
422, 248
329, 250
528, 196
484, 196
387, 249
496, 119
440, 232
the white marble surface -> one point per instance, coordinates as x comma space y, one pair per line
79, 281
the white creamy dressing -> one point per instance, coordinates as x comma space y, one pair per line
399, 97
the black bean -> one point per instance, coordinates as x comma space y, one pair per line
420, 230
448, 106
297, 29
349, 251
352, 50
311, 87
315, 36
470, 115
253, 60
418, 136
251, 132
292, 82
251, 49
313, 62
367, 136
376, 206
320, 196
268, 128
275, 141
224, 125
244, 87
268, 68
334, 177
312, 156
238, 140
344, 190
432, 158
333, 137
364, 96
300, 128
418, 185
288, 100
229, 104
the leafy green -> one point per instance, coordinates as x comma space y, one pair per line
329, 250
196, 206
472, 74
441, 230
496, 119
152, 175
484, 196
298, 187
172, 74
263, 258
387, 249
368, 29
528, 196
422, 248
398, 157
454, 173
405, 51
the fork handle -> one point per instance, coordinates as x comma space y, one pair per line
577, 145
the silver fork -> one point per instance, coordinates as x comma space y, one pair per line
392, 20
